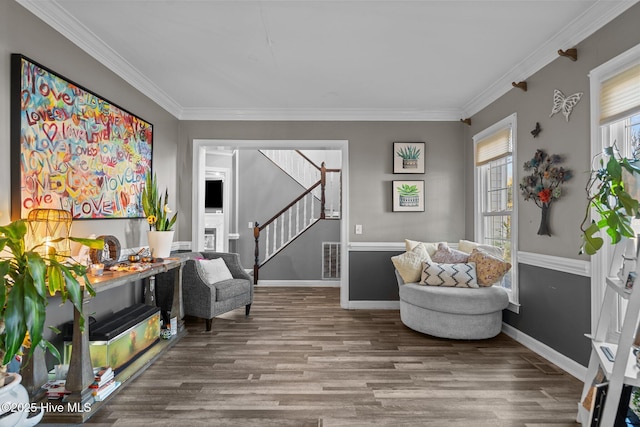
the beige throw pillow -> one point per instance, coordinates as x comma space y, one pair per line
490, 269
409, 264
430, 247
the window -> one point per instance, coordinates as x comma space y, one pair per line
495, 207
625, 134
615, 118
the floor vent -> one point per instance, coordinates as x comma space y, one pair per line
330, 260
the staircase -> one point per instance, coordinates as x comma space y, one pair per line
319, 200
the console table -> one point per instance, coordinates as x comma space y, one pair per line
80, 375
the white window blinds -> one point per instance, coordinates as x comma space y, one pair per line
620, 95
494, 146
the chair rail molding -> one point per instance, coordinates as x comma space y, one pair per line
551, 262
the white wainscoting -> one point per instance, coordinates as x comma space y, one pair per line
550, 262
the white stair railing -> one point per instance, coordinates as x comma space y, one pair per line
285, 227
306, 173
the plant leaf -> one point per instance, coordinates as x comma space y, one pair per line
36, 306
15, 328
38, 272
92, 243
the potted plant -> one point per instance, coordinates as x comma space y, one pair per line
27, 277
409, 195
410, 155
608, 192
157, 212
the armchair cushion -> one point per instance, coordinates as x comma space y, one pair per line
228, 289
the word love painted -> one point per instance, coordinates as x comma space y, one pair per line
78, 151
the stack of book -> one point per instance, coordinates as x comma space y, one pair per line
104, 383
55, 389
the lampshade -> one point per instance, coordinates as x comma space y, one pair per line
49, 231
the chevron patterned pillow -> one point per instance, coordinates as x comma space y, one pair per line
459, 275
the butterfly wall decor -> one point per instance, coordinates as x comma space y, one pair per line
537, 130
564, 103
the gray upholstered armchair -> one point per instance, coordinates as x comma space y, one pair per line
204, 300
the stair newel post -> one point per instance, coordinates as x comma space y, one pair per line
323, 183
256, 263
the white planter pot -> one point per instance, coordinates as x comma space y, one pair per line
160, 243
15, 401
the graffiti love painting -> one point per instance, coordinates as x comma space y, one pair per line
72, 149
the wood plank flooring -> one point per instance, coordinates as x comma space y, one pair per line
301, 360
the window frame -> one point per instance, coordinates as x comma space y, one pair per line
600, 261
479, 185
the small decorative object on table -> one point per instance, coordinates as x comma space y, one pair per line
96, 269
543, 185
631, 278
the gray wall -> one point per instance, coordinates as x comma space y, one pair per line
371, 276
21, 32
555, 306
264, 189
302, 259
570, 139
370, 171
542, 316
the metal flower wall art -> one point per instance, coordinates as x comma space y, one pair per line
542, 185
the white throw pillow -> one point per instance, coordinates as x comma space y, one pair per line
214, 270
459, 275
430, 247
468, 247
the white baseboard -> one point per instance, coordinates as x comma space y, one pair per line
374, 305
300, 283
563, 362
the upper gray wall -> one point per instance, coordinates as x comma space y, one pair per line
571, 139
21, 32
370, 171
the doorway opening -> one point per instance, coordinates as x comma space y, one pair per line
230, 148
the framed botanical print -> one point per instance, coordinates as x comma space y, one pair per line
408, 157
408, 196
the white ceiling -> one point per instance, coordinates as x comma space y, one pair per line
325, 60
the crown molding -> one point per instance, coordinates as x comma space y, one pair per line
311, 114
598, 15
56, 16
602, 12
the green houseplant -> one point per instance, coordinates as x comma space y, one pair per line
160, 235
608, 193
27, 277
156, 211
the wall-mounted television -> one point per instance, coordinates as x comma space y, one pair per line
213, 194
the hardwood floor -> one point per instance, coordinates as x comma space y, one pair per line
300, 360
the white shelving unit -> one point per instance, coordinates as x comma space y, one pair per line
623, 370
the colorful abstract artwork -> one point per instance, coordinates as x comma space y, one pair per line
75, 150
